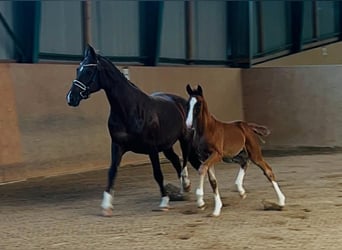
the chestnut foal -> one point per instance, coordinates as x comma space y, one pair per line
235, 141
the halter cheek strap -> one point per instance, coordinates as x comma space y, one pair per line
81, 85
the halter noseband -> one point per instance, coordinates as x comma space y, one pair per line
81, 85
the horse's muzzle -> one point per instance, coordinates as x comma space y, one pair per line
73, 100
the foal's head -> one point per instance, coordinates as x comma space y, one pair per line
86, 81
195, 105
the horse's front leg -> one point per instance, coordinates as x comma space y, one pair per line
214, 186
158, 176
107, 201
182, 173
212, 159
200, 193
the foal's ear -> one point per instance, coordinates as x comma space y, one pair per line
89, 51
199, 90
188, 89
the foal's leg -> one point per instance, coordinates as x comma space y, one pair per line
200, 192
203, 169
243, 162
173, 157
213, 183
107, 201
260, 162
158, 176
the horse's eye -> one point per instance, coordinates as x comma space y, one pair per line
87, 72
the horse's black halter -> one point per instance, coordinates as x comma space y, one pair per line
85, 87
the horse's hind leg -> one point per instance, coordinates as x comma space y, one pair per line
214, 186
243, 162
174, 159
260, 162
186, 148
158, 176
239, 180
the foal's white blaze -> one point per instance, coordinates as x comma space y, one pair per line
189, 118
281, 196
107, 201
239, 182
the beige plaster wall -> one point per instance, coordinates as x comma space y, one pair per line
51, 138
323, 55
301, 105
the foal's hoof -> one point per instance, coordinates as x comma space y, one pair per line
214, 215
271, 206
107, 212
202, 207
187, 189
243, 196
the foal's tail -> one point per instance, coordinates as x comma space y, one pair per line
259, 129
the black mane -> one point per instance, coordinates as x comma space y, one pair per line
113, 70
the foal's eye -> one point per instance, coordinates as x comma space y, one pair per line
197, 108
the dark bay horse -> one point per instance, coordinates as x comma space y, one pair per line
141, 123
235, 141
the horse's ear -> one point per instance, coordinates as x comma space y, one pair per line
199, 90
188, 89
89, 51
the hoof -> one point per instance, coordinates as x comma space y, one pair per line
187, 189
243, 196
214, 215
164, 209
203, 207
271, 206
161, 209
107, 212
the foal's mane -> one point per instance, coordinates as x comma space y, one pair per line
204, 115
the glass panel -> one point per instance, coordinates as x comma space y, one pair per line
7, 44
61, 30
173, 30
210, 30
115, 27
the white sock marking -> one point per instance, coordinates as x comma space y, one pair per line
164, 202
107, 201
281, 196
218, 204
185, 181
189, 118
239, 181
200, 192
217, 198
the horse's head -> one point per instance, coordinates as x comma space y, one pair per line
194, 106
86, 81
